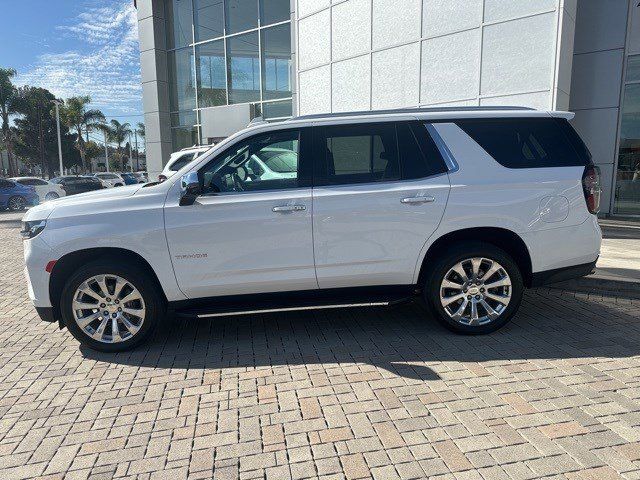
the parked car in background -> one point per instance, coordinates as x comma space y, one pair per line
142, 177
459, 208
129, 178
78, 184
179, 159
46, 190
16, 197
112, 179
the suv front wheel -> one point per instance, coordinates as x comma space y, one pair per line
474, 288
109, 307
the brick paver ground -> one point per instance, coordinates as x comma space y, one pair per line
360, 393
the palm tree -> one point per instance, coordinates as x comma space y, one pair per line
118, 133
8, 99
75, 115
141, 130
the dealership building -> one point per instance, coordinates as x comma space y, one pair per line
210, 66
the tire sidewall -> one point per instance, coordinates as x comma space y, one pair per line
461, 252
138, 278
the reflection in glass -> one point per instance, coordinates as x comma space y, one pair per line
181, 80
276, 59
241, 15
181, 119
628, 177
274, 11
183, 137
208, 19
211, 74
633, 69
277, 109
179, 16
243, 67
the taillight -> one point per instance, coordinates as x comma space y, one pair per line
591, 188
161, 178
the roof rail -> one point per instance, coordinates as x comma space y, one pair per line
410, 110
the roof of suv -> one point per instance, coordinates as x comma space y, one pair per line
434, 112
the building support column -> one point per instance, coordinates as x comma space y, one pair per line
155, 85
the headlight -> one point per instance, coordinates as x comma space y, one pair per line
32, 228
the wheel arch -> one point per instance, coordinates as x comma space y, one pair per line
502, 238
67, 264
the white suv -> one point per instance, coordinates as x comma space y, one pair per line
179, 159
110, 179
462, 208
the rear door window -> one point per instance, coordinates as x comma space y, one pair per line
527, 142
419, 156
357, 154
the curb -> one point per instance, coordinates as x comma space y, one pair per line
600, 286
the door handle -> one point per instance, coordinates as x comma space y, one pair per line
289, 208
419, 199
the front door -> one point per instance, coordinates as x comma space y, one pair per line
380, 192
250, 231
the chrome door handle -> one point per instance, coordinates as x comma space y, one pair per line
289, 208
419, 199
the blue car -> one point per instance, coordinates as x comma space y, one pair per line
129, 178
15, 197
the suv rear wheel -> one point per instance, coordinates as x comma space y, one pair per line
474, 288
109, 307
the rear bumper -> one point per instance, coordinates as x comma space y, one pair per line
560, 274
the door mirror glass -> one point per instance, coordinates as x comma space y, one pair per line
190, 184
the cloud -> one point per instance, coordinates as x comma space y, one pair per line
105, 63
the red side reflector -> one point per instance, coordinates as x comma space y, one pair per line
50, 266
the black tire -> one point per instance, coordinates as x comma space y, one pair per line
16, 203
455, 254
136, 276
118, 185
51, 196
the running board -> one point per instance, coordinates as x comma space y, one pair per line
293, 301
191, 314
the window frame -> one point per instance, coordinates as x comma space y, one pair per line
305, 161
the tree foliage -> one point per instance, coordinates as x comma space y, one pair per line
76, 116
35, 132
8, 97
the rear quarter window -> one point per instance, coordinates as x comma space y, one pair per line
528, 142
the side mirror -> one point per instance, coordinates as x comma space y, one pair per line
190, 184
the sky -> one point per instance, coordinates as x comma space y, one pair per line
76, 47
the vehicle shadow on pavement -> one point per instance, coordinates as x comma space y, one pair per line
551, 324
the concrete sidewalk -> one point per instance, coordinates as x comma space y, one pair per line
618, 269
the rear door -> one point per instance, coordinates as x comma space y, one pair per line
380, 190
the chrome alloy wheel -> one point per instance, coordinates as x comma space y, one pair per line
108, 308
475, 291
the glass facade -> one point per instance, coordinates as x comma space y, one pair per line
224, 52
627, 194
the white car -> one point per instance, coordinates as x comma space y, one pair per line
110, 179
46, 190
179, 159
461, 209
